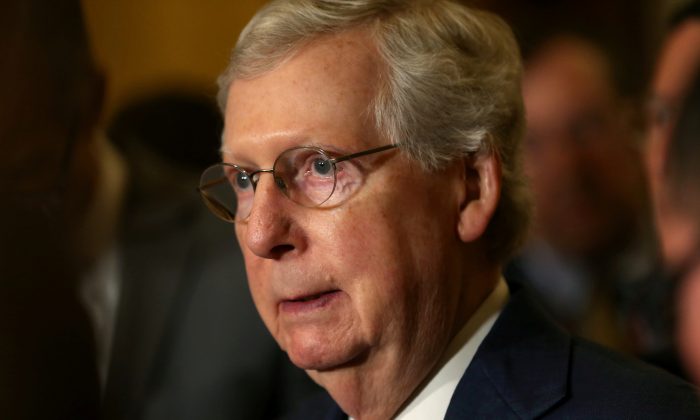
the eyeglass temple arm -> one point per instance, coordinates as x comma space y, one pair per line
365, 152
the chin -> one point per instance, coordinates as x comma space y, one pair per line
322, 353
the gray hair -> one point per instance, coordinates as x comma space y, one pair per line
450, 85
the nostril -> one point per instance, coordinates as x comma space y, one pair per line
280, 250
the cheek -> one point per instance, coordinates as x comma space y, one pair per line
394, 261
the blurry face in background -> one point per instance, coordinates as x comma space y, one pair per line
679, 60
585, 173
32, 139
47, 166
679, 232
35, 141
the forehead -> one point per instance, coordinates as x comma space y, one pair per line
321, 94
679, 61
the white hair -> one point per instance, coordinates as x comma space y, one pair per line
450, 85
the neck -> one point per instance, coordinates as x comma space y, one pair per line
362, 390
380, 384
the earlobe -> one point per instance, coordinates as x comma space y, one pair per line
482, 186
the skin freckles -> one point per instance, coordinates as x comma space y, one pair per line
389, 268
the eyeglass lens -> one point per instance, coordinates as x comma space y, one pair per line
306, 176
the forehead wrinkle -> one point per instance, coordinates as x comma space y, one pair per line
272, 143
343, 67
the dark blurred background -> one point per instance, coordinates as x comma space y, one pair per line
145, 45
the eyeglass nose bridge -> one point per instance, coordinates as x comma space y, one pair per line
279, 182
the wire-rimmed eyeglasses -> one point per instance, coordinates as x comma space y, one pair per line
306, 175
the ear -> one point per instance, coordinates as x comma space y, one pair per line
482, 191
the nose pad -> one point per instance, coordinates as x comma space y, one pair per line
269, 226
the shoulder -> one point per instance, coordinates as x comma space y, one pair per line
529, 367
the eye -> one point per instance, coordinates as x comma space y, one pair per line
242, 180
322, 166
238, 179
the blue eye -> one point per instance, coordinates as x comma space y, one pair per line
322, 166
242, 180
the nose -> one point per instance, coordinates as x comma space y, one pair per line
270, 231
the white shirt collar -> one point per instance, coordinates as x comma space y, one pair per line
435, 396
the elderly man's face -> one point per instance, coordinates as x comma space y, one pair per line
373, 279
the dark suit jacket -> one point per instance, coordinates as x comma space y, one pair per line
529, 368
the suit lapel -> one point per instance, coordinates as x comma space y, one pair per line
519, 371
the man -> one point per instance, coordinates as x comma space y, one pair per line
671, 159
370, 168
593, 252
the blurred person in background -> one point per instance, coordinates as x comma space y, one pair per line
672, 157
681, 191
678, 61
682, 194
48, 110
115, 285
592, 257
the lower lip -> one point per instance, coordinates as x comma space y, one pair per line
302, 306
